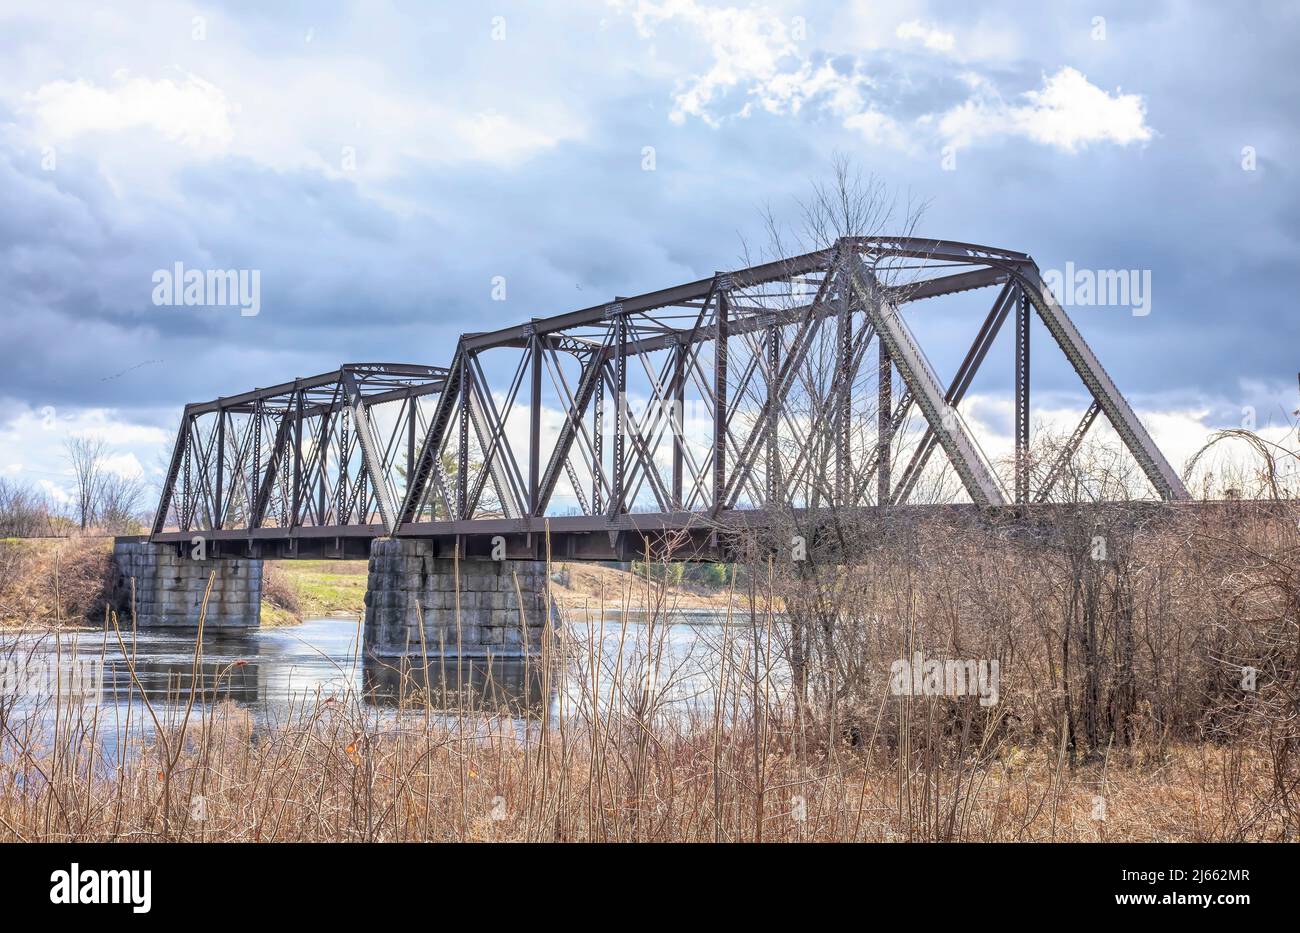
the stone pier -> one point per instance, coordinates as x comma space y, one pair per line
407, 582
169, 588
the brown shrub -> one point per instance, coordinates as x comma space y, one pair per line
54, 580
278, 589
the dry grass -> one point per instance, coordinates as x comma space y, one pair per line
294, 590
52, 581
1152, 743
582, 584
281, 600
336, 774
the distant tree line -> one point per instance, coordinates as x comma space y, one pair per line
101, 498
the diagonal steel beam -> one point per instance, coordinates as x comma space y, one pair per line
766, 423
968, 460
427, 463
483, 416
587, 383
371, 459
1067, 452
1135, 437
173, 471
979, 349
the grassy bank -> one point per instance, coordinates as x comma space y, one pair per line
329, 777
303, 589
294, 590
1151, 695
589, 585
48, 582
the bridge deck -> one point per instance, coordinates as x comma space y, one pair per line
679, 535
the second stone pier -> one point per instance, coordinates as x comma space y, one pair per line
164, 588
504, 608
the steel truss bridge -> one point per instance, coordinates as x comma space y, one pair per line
676, 415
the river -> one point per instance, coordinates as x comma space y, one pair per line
275, 674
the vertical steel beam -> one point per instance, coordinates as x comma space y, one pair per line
257, 457
322, 463
773, 415
219, 507
412, 409
720, 401
535, 430
1022, 397
296, 518
621, 415
841, 402
598, 438
341, 507
462, 446
884, 422
187, 501
679, 416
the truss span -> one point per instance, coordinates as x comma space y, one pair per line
795, 385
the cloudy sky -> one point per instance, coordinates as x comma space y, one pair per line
380, 163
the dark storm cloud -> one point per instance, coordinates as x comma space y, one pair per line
395, 266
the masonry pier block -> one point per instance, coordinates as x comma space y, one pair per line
169, 588
484, 607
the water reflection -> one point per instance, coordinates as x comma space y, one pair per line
625, 661
271, 672
164, 682
508, 687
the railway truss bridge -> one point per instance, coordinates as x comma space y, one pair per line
680, 415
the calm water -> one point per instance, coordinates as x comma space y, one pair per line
274, 673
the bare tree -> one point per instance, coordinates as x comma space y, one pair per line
832, 394
119, 502
24, 513
87, 456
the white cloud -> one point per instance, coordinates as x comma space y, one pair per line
877, 127
495, 137
934, 39
303, 121
1067, 112
124, 464
190, 111
822, 86
42, 442
753, 52
322, 107
749, 48
55, 492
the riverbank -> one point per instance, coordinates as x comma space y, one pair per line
60, 582
304, 589
53, 582
333, 774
